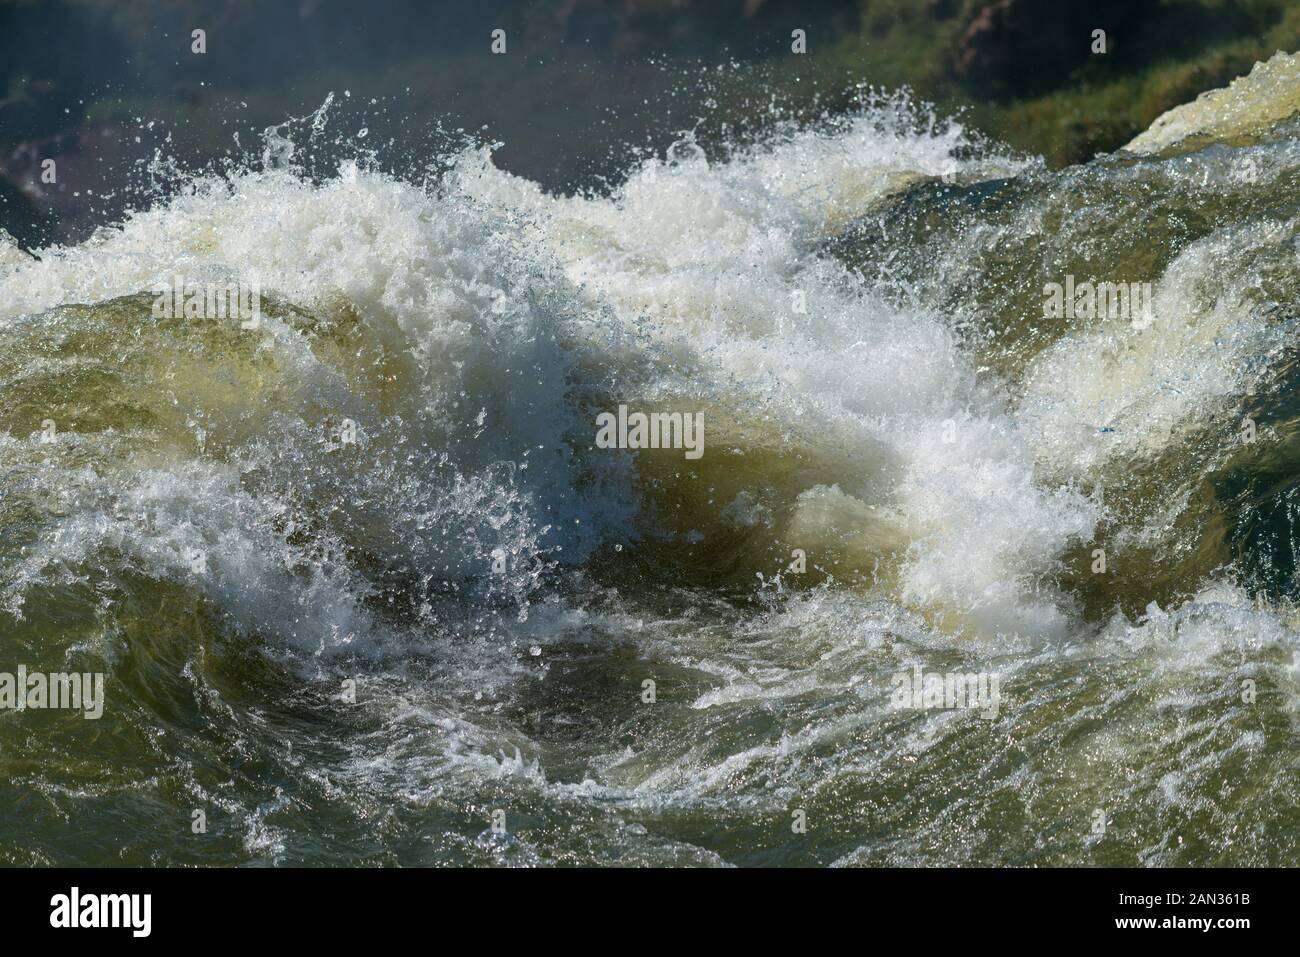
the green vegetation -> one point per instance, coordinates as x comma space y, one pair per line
1025, 88
102, 85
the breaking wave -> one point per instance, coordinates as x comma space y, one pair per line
360, 576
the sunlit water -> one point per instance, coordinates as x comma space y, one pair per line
394, 486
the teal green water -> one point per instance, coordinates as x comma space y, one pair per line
426, 605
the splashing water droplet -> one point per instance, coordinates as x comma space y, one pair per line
686, 151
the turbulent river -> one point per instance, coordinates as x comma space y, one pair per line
365, 589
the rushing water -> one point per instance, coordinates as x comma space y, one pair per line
425, 601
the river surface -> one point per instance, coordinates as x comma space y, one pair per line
365, 589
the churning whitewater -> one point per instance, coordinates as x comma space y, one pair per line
367, 589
